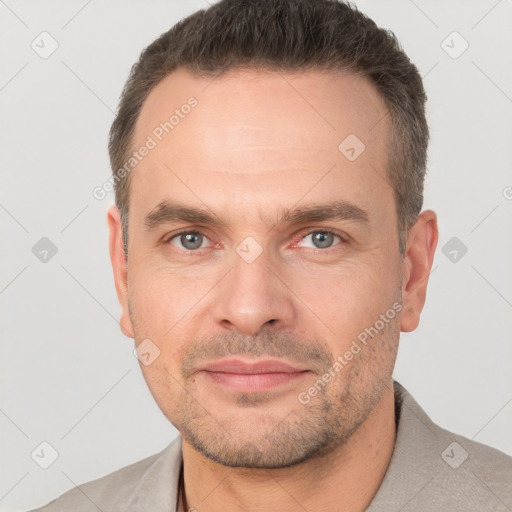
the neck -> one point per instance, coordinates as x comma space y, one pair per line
349, 475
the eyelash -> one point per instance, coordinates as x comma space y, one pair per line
304, 234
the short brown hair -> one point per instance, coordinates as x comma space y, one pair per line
288, 35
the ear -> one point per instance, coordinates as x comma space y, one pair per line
419, 255
119, 267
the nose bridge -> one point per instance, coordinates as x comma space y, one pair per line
251, 295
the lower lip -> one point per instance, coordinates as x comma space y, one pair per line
253, 382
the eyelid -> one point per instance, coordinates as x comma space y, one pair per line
167, 239
308, 231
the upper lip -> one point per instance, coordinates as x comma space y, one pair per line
250, 367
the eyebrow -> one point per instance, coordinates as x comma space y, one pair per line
167, 211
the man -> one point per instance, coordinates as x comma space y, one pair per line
268, 248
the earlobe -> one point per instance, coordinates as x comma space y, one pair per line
119, 267
419, 256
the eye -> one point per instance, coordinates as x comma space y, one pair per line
188, 240
320, 239
192, 241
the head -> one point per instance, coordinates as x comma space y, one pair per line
268, 159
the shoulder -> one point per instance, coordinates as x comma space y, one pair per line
467, 475
125, 487
457, 450
433, 468
478, 470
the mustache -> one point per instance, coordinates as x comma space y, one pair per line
275, 344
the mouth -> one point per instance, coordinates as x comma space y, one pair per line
250, 376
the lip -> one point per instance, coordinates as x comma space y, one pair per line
250, 367
251, 376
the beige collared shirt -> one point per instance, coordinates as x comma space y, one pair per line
431, 469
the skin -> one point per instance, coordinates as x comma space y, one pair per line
257, 143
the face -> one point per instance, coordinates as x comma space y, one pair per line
263, 267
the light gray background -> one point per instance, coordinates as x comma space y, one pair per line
68, 375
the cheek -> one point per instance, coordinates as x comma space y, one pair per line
349, 300
160, 299
161, 307
163, 383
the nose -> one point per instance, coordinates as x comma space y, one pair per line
251, 297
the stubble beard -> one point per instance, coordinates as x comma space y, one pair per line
302, 432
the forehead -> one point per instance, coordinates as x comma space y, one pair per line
260, 134
317, 108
